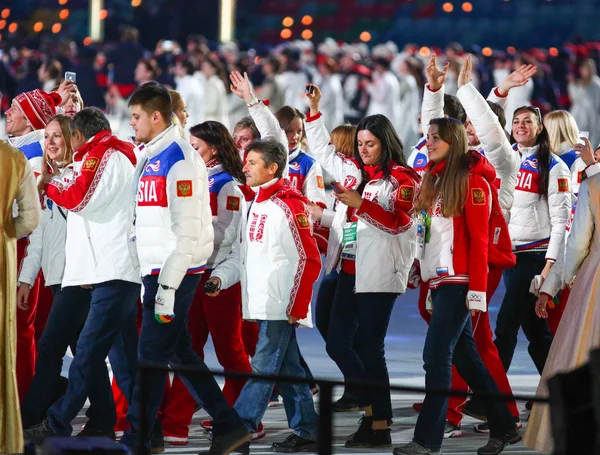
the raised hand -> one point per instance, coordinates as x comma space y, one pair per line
240, 86
517, 78
465, 72
313, 99
435, 77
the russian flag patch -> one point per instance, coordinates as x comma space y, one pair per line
442, 271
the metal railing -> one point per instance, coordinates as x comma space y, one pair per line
324, 444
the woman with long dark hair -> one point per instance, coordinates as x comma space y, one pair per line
538, 217
220, 316
455, 203
376, 190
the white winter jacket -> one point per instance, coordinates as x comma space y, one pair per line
227, 204
97, 194
46, 249
386, 243
173, 221
538, 223
495, 146
276, 258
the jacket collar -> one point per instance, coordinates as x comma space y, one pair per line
214, 167
564, 147
266, 190
527, 151
162, 141
90, 144
29, 138
293, 155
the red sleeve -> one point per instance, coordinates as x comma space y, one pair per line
76, 195
477, 220
498, 94
309, 263
394, 221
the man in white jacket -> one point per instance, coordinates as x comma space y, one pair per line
173, 233
277, 261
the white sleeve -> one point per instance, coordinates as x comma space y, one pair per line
582, 231
496, 98
28, 202
229, 271
553, 283
432, 107
378, 90
268, 127
230, 206
313, 187
592, 170
577, 169
336, 164
32, 262
186, 206
559, 205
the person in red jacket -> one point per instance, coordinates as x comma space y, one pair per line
455, 202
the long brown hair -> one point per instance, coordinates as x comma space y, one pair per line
452, 183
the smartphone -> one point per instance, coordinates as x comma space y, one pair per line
582, 135
210, 287
310, 89
337, 187
71, 76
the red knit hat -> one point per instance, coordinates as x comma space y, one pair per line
38, 106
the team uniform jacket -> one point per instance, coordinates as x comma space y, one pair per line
227, 204
173, 221
494, 144
46, 249
32, 146
553, 283
386, 230
95, 189
276, 258
457, 250
537, 223
575, 164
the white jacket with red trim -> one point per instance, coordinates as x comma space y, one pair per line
173, 216
456, 249
494, 144
386, 231
276, 257
227, 203
46, 249
96, 190
538, 223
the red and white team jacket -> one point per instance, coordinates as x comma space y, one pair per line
173, 220
96, 190
495, 146
227, 203
538, 223
276, 258
46, 249
386, 230
457, 248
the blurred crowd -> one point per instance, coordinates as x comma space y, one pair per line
358, 79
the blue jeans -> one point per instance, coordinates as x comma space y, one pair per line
111, 308
169, 344
450, 339
277, 353
518, 310
356, 342
67, 316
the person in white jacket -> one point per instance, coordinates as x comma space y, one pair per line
384, 92
191, 90
585, 99
173, 232
94, 192
215, 94
71, 304
373, 247
540, 212
277, 261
